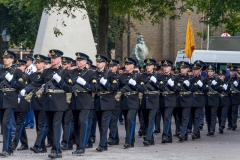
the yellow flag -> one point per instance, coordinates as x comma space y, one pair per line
190, 42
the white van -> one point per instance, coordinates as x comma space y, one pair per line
181, 56
218, 58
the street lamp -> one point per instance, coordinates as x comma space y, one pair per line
6, 37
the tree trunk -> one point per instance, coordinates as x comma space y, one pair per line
102, 45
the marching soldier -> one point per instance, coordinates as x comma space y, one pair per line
224, 100
20, 113
233, 108
47, 63
84, 83
167, 99
37, 103
129, 101
57, 81
67, 121
113, 128
150, 102
198, 99
104, 101
184, 101
11, 81
212, 99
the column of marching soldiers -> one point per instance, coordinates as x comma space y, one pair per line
73, 95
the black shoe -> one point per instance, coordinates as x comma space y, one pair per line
221, 130
6, 154
89, 145
229, 128
146, 143
92, 139
210, 133
121, 122
140, 133
189, 130
194, 137
116, 142
78, 152
113, 141
156, 131
234, 127
55, 155
100, 149
36, 149
49, 145
180, 138
127, 145
22, 148
201, 127
164, 140
63, 147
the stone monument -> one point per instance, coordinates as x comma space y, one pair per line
140, 51
77, 35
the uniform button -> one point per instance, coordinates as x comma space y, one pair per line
35, 96
4, 94
50, 96
100, 96
146, 97
165, 95
181, 95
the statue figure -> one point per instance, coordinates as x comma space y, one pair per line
140, 51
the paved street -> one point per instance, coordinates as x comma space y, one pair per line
226, 146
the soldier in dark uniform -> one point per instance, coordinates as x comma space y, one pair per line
57, 81
84, 83
37, 104
89, 63
184, 101
104, 101
150, 102
67, 121
142, 129
158, 117
198, 99
235, 100
129, 101
224, 100
212, 99
203, 74
168, 87
47, 63
11, 81
113, 128
21, 112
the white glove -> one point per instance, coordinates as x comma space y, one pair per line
132, 82
43, 85
235, 83
225, 87
153, 79
9, 77
200, 84
57, 77
170, 82
103, 81
18, 100
22, 92
81, 81
214, 82
186, 82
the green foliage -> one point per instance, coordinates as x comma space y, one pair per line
22, 25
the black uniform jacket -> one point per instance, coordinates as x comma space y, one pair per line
54, 101
9, 92
104, 98
83, 99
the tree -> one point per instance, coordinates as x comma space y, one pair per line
140, 10
22, 25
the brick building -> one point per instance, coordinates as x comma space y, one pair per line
164, 39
